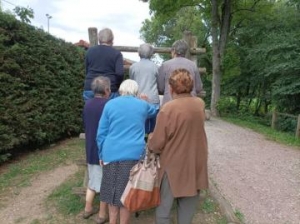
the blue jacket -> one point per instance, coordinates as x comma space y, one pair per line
121, 130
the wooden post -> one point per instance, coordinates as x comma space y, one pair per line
93, 36
192, 43
274, 119
298, 127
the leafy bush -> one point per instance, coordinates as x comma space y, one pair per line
227, 105
41, 81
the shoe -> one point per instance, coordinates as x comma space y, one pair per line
99, 220
86, 214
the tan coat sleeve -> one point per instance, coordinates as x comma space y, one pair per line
161, 133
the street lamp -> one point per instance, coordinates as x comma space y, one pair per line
48, 17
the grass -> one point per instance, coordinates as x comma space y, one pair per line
239, 215
63, 199
62, 205
281, 137
19, 173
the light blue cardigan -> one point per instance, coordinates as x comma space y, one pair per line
121, 129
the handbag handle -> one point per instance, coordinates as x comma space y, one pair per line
151, 159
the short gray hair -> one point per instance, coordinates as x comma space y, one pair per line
180, 47
129, 87
105, 36
145, 51
100, 84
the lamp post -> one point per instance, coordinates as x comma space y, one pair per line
48, 17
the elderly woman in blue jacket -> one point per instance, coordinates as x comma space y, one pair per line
121, 144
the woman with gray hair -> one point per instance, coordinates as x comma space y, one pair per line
105, 60
121, 144
145, 73
91, 115
179, 49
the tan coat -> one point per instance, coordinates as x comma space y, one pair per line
180, 138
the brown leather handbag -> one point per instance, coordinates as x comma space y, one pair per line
142, 191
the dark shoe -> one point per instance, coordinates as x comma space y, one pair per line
86, 215
99, 220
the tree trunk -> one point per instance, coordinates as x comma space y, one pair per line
216, 80
219, 40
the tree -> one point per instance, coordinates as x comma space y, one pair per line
25, 14
220, 26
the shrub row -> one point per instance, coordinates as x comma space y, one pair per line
41, 80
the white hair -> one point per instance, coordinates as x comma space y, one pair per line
105, 36
129, 87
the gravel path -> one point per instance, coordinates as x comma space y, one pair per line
260, 178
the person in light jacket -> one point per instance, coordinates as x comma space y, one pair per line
180, 139
179, 49
145, 73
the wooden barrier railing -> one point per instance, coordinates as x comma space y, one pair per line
275, 115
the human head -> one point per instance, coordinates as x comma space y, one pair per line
106, 36
181, 81
101, 86
145, 51
179, 48
129, 87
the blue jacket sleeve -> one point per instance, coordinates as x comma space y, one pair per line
102, 132
152, 110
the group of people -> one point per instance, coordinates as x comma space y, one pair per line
117, 115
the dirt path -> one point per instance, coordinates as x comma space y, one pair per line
29, 204
260, 178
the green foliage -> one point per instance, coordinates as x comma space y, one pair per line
41, 85
227, 106
263, 65
259, 125
25, 14
239, 215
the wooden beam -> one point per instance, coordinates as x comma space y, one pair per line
159, 49
202, 70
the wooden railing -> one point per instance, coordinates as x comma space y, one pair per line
275, 115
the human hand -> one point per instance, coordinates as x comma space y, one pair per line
101, 163
143, 96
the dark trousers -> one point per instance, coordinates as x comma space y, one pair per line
186, 206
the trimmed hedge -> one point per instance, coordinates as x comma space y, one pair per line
41, 81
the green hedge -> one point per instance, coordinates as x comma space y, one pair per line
41, 80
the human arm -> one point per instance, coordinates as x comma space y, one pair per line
86, 63
119, 69
198, 81
152, 109
161, 80
131, 73
158, 138
102, 132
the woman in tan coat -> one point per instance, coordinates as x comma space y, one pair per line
180, 139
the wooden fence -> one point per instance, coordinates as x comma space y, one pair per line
275, 115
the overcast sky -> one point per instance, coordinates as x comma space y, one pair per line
72, 18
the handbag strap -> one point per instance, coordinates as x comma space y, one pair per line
151, 159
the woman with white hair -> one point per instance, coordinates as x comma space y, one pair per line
121, 144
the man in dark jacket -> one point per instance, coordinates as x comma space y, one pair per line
105, 60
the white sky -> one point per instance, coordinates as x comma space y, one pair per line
72, 18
